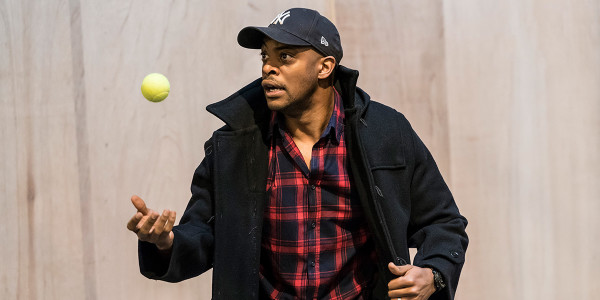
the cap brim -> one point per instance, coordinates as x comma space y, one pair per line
252, 37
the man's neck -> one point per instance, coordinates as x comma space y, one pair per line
308, 126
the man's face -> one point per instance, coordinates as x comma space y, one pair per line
290, 76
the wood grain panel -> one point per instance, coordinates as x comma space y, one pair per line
524, 99
506, 94
398, 48
43, 257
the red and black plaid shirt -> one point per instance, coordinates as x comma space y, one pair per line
315, 242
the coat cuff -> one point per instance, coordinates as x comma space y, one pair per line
450, 271
153, 263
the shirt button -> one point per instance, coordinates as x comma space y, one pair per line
313, 224
312, 187
312, 263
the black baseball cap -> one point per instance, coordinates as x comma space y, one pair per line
297, 27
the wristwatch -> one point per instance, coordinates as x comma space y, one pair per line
438, 280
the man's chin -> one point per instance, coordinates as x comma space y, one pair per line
275, 106
275, 103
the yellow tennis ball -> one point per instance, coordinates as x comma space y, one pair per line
155, 87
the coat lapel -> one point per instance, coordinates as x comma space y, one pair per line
240, 187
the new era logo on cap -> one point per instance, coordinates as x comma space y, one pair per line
281, 17
324, 41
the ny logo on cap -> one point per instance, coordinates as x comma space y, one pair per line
281, 17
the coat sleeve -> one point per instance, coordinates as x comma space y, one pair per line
436, 227
192, 252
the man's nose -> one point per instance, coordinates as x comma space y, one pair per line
269, 69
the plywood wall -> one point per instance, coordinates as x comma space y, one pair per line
523, 91
505, 93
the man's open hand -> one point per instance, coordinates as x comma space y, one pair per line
413, 282
152, 227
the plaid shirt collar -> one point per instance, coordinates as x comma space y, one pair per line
334, 128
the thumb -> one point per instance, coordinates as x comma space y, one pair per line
399, 270
139, 204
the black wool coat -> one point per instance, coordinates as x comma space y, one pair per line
405, 199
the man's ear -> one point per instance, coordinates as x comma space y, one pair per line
327, 66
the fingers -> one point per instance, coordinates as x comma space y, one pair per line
400, 283
147, 225
405, 293
165, 239
171, 221
414, 283
399, 270
135, 220
150, 226
403, 287
153, 228
139, 204
398, 287
159, 226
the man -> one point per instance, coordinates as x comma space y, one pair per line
310, 190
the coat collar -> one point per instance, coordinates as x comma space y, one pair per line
248, 106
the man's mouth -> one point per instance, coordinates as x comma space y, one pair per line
272, 89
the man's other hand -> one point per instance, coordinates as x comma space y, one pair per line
152, 227
413, 282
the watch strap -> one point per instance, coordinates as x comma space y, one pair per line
438, 280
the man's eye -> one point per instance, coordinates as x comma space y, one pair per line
285, 56
263, 56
